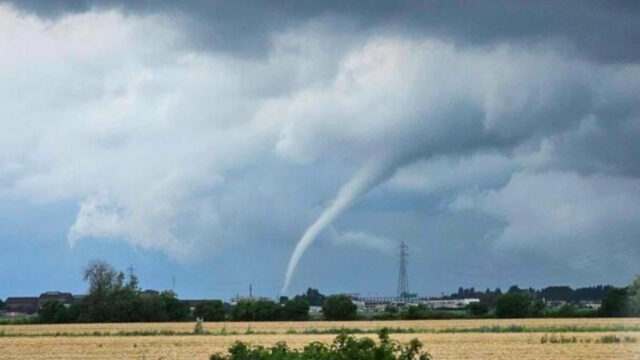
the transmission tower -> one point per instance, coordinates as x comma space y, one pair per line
403, 279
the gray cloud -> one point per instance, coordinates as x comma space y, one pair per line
606, 31
171, 148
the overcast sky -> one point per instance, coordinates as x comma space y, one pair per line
198, 140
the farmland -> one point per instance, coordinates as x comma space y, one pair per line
444, 339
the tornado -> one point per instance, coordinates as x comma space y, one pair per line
367, 177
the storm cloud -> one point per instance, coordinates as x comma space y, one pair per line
192, 127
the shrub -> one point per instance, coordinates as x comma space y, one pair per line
199, 328
344, 347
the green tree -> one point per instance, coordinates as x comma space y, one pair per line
339, 307
152, 309
261, 310
513, 305
478, 309
614, 304
103, 283
176, 310
314, 297
210, 311
634, 297
52, 311
296, 309
1, 304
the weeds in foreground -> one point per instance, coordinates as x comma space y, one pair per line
344, 347
607, 339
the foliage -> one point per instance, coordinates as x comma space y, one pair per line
260, 310
210, 311
344, 347
52, 311
633, 301
314, 297
478, 309
516, 305
199, 328
1, 304
296, 309
339, 307
176, 310
614, 303
114, 298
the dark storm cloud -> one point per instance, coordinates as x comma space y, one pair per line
605, 31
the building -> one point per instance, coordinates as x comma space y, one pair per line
64, 298
236, 299
24, 305
448, 304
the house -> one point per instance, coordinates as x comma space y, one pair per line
64, 298
26, 305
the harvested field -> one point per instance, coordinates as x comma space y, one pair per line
519, 345
300, 327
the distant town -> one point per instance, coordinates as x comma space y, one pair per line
553, 297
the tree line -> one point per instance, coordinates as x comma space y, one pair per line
114, 297
562, 293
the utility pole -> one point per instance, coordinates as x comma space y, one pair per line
403, 279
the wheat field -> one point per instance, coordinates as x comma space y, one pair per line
40, 342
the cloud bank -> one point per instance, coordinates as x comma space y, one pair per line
174, 146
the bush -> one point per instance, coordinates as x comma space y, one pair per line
344, 347
339, 307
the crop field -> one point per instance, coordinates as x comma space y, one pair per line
444, 339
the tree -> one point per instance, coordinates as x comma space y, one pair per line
1, 304
296, 309
339, 307
314, 297
634, 297
210, 311
261, 310
52, 311
614, 304
478, 309
514, 289
513, 305
103, 281
176, 310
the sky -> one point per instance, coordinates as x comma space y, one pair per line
199, 141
